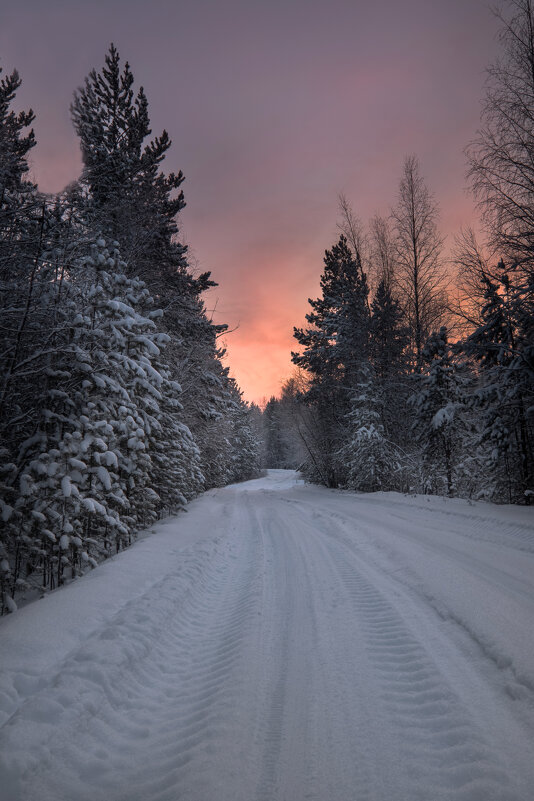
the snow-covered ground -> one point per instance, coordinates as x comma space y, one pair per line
281, 642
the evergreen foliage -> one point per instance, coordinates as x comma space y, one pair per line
439, 424
274, 455
126, 196
373, 462
503, 347
115, 406
334, 348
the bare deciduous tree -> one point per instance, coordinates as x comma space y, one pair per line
382, 254
501, 157
473, 264
420, 274
352, 229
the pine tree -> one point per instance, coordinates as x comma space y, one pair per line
23, 316
389, 355
439, 411
503, 347
274, 444
334, 348
129, 200
373, 462
20, 245
100, 450
127, 196
245, 454
15, 144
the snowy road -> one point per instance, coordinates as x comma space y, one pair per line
282, 642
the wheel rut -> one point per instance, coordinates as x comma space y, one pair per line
288, 657
168, 698
440, 744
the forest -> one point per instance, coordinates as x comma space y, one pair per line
414, 371
115, 406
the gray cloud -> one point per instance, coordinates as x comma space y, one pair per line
273, 108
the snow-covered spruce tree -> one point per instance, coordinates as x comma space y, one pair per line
21, 222
176, 471
207, 397
25, 320
245, 446
274, 456
17, 194
502, 345
334, 348
373, 462
440, 419
91, 481
389, 356
208, 404
128, 198
35, 381
125, 194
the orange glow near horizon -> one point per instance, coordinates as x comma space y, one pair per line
273, 110
259, 348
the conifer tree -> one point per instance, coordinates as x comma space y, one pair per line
502, 345
245, 455
334, 348
21, 221
372, 460
274, 445
388, 345
127, 196
98, 384
439, 409
388, 334
101, 465
15, 144
23, 315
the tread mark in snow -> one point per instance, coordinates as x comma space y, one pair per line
441, 746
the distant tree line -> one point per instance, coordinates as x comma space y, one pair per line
411, 381
115, 406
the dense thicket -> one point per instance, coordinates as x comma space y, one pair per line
115, 407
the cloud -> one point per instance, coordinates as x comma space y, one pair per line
273, 108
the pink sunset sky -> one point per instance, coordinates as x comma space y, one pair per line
273, 108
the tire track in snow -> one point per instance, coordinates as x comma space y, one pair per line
442, 746
276, 655
203, 714
366, 533
316, 726
284, 661
166, 694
